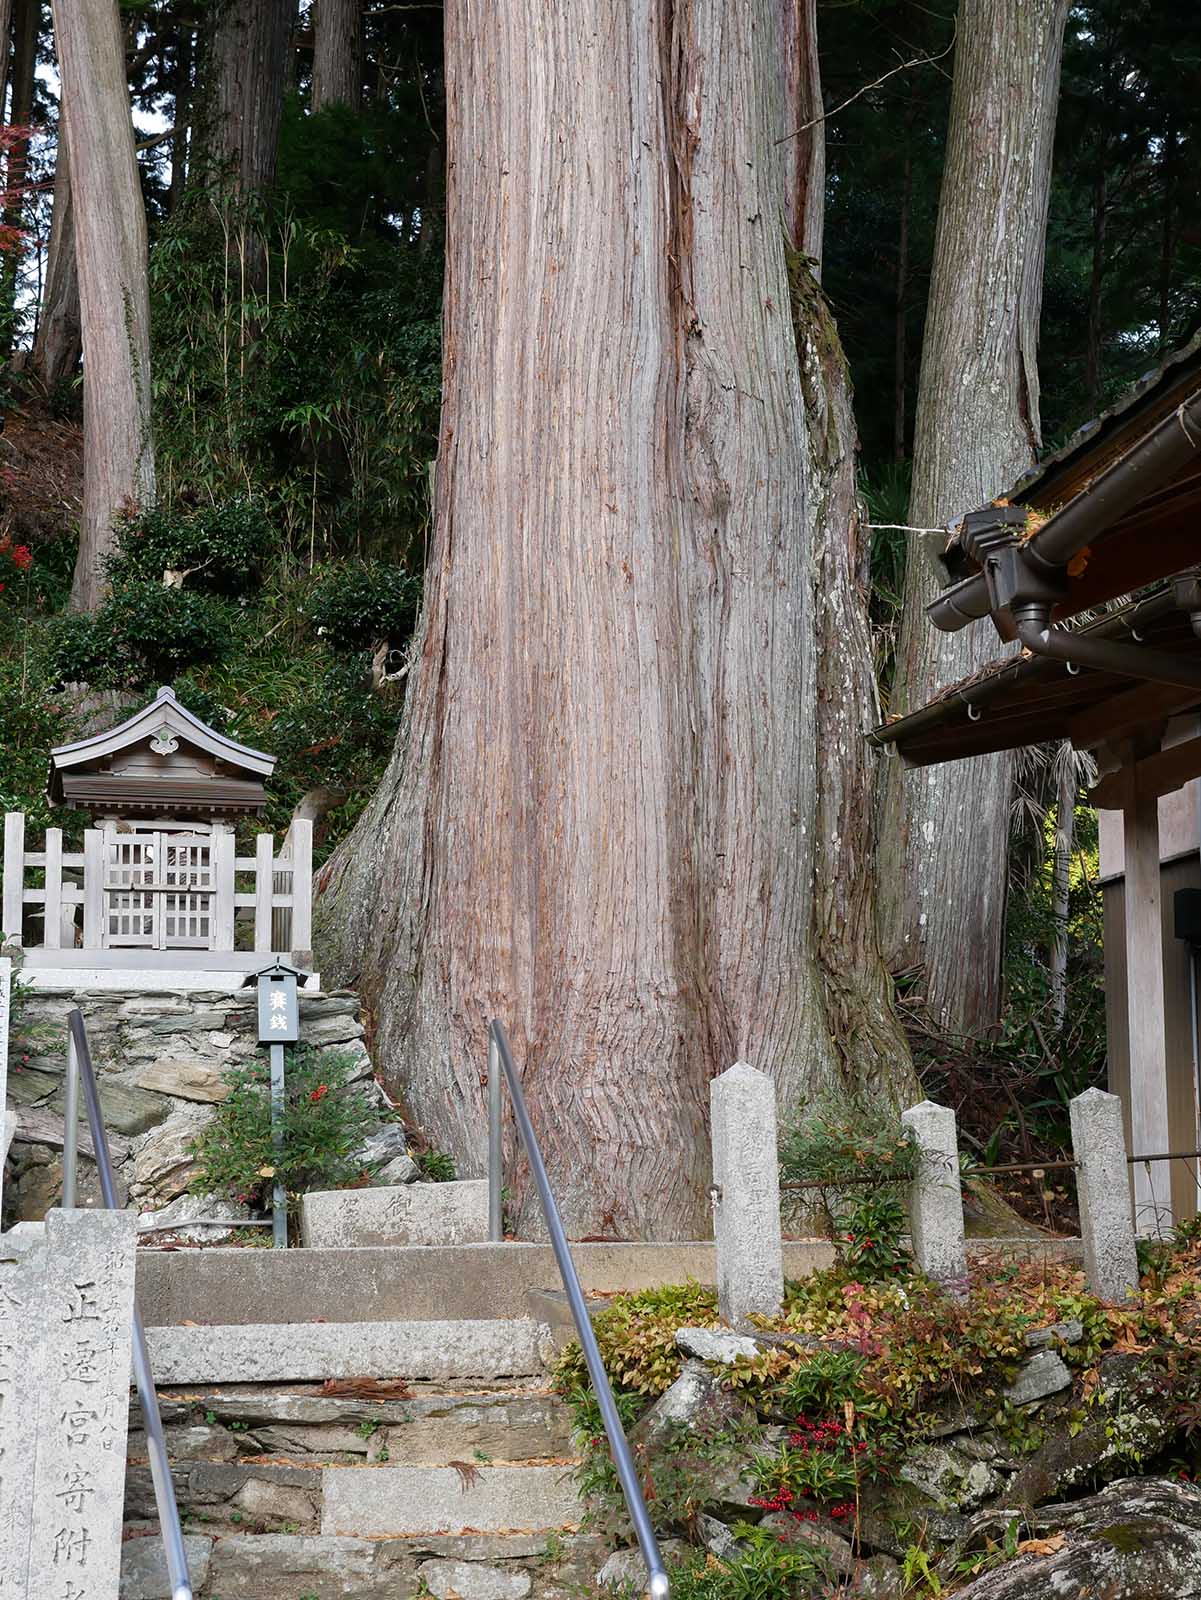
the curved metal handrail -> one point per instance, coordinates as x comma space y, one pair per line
499, 1056
170, 1527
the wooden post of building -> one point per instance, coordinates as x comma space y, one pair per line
264, 880
52, 929
223, 845
1145, 1008
12, 913
93, 889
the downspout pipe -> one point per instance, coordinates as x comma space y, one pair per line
1035, 632
1153, 461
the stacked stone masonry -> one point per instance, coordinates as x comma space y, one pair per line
160, 1060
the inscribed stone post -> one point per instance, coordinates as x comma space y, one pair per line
22, 1264
935, 1196
1103, 1195
6, 977
85, 1327
746, 1173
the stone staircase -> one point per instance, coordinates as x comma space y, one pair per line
373, 1423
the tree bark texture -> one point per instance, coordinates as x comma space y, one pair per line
599, 820
6, 18
976, 431
338, 54
110, 252
805, 148
26, 16
247, 71
59, 342
1061, 881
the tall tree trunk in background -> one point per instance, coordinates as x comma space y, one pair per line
110, 249
599, 820
871, 1046
185, 61
26, 19
6, 19
976, 432
59, 341
1061, 880
246, 74
900, 339
338, 54
1094, 331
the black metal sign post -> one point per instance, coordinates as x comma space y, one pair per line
279, 1024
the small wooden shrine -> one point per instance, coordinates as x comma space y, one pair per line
159, 884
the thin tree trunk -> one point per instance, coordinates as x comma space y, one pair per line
1061, 879
59, 341
599, 820
871, 1046
27, 17
6, 18
1094, 332
900, 340
977, 429
110, 249
185, 58
247, 71
1167, 239
338, 54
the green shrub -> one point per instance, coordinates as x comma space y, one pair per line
219, 547
436, 1166
760, 1567
143, 633
356, 604
838, 1143
324, 1123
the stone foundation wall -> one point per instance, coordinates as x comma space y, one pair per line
159, 1061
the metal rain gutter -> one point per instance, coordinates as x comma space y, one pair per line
1170, 445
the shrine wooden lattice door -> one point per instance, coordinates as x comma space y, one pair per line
159, 890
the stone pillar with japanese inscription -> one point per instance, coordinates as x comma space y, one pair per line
66, 1324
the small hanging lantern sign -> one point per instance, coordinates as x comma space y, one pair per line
279, 1007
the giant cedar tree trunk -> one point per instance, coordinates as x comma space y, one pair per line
246, 73
59, 341
977, 429
599, 820
337, 54
26, 17
110, 248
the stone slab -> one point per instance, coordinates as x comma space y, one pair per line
188, 1079
746, 1175
75, 1369
1103, 1193
314, 1351
6, 975
406, 1214
375, 1502
425, 1282
936, 1196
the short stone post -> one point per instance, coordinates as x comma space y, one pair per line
1103, 1195
746, 1176
935, 1197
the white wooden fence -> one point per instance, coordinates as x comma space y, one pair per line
138, 888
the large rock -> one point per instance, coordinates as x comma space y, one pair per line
188, 1079
695, 1400
949, 1477
129, 1111
163, 1163
1139, 1539
1042, 1376
386, 1155
626, 1570
186, 1208
282, 1566
716, 1344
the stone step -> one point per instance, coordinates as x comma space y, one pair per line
285, 1352
392, 1502
540, 1566
222, 1424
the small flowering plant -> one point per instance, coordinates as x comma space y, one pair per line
325, 1121
820, 1469
16, 562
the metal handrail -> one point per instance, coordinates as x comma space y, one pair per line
170, 1527
500, 1060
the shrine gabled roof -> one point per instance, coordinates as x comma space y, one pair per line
165, 720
